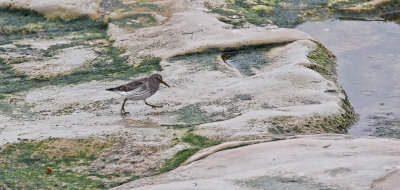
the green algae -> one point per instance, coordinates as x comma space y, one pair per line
324, 63
135, 21
289, 13
17, 24
199, 141
18, 17
324, 60
111, 66
178, 159
192, 114
196, 141
337, 123
14, 22
277, 129
23, 165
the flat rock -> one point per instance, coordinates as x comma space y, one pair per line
306, 162
207, 95
218, 100
67, 60
54, 8
191, 29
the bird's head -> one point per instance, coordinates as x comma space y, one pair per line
158, 78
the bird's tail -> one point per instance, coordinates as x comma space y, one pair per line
110, 89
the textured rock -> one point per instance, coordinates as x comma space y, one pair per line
191, 29
219, 100
54, 8
268, 88
306, 162
67, 60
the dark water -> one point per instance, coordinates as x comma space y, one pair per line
368, 54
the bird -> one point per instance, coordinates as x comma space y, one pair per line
140, 89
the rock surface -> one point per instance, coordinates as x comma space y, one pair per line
190, 29
54, 8
206, 93
306, 162
227, 84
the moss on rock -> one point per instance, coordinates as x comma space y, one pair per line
196, 141
135, 21
324, 60
25, 165
17, 24
177, 159
290, 13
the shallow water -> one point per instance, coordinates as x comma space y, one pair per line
248, 61
368, 54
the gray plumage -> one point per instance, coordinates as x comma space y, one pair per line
139, 90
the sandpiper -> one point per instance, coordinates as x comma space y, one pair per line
139, 90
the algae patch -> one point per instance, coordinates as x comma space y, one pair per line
108, 66
192, 114
32, 24
24, 26
196, 141
75, 164
196, 114
23, 165
337, 123
324, 62
199, 141
177, 159
135, 21
288, 14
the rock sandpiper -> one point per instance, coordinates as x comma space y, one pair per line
139, 90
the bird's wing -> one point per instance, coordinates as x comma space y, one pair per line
130, 86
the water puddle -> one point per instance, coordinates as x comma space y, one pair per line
368, 54
248, 60
245, 62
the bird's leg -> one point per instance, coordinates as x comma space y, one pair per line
123, 112
152, 106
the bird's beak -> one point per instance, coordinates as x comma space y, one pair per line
165, 83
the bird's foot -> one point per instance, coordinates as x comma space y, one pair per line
123, 112
155, 107
152, 106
